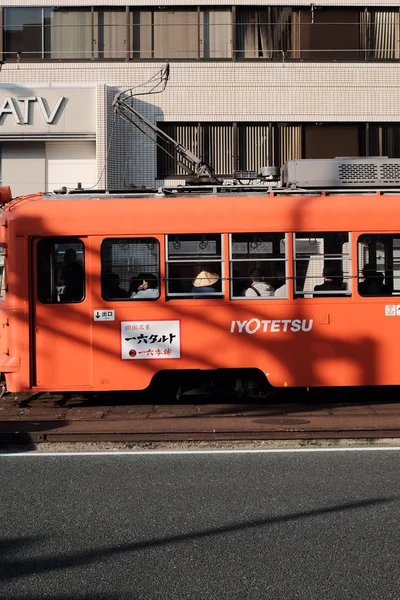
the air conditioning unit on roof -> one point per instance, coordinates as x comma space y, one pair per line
357, 172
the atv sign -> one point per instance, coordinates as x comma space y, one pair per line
22, 109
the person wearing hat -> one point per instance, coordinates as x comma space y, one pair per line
203, 283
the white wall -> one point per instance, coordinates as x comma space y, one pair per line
23, 167
68, 163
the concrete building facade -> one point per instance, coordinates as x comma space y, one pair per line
250, 86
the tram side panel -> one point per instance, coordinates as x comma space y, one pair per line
93, 343
315, 345
15, 340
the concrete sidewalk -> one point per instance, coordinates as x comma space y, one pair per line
50, 417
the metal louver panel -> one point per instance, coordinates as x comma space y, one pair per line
289, 143
218, 141
258, 145
167, 158
253, 146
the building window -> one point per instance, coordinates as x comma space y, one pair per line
68, 34
61, 270
130, 269
110, 33
263, 32
258, 265
215, 33
182, 33
194, 266
379, 265
380, 34
165, 33
22, 33
325, 34
202, 33
322, 264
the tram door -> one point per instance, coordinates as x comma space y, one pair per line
61, 327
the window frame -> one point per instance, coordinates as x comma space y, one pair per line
389, 235
131, 239
61, 240
247, 260
191, 295
320, 295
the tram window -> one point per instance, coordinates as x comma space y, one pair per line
130, 269
379, 265
322, 264
258, 265
194, 266
60, 268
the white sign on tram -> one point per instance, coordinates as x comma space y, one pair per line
150, 339
103, 315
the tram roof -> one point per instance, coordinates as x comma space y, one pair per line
125, 214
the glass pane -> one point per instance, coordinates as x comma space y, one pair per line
262, 245
257, 279
194, 278
176, 34
23, 32
130, 269
141, 33
110, 33
69, 34
216, 33
194, 265
258, 267
194, 246
60, 266
322, 263
378, 265
328, 34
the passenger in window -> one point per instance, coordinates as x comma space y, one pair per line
373, 282
333, 281
144, 286
258, 286
111, 288
204, 283
72, 278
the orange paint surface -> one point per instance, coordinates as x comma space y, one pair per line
295, 342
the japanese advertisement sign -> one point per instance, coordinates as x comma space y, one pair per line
150, 339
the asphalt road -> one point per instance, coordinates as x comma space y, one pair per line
304, 525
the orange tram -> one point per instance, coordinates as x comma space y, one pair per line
102, 292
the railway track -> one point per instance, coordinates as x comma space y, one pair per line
124, 418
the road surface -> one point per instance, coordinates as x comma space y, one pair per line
307, 525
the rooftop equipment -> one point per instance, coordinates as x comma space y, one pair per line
374, 171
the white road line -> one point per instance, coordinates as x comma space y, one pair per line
21, 454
